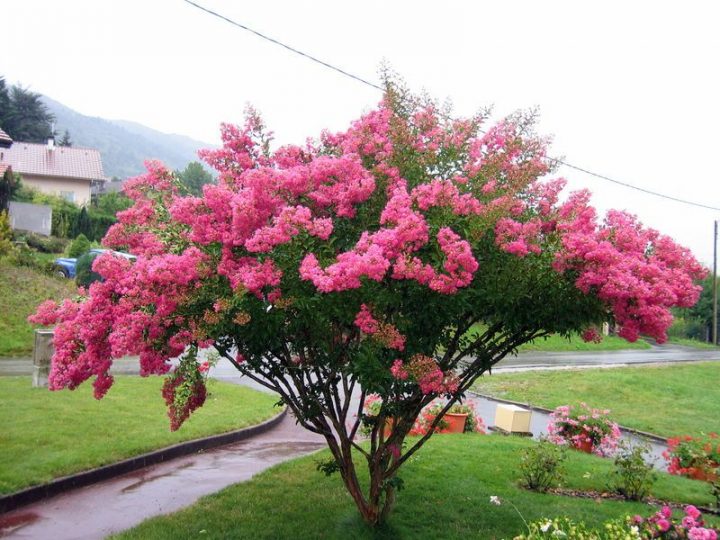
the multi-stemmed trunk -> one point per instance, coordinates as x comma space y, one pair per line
320, 398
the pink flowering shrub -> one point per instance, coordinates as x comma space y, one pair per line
661, 525
584, 427
358, 263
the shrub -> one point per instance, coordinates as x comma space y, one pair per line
45, 244
79, 246
633, 476
578, 426
541, 466
84, 274
5, 233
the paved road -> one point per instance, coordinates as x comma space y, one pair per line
667, 353
527, 360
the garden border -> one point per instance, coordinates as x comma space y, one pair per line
652, 436
106, 472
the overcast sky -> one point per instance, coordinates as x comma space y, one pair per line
626, 89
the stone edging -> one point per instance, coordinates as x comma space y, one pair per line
652, 436
74, 481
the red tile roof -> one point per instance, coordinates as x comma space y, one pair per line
5, 139
61, 161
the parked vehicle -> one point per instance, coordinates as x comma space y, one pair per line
67, 267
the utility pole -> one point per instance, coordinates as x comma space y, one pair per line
715, 288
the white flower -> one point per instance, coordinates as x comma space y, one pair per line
545, 526
494, 499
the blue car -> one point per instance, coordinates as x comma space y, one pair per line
67, 267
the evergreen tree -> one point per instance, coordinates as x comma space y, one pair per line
23, 115
65, 141
82, 224
194, 177
9, 184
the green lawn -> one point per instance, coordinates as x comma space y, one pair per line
667, 400
446, 495
555, 343
575, 343
21, 290
694, 343
46, 434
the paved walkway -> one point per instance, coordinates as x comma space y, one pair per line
101, 509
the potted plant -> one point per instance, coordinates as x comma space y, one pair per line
460, 418
584, 428
694, 457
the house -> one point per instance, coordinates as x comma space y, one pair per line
67, 171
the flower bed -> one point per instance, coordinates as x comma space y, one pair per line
584, 428
659, 525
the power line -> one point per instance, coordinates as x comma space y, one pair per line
378, 87
625, 184
288, 47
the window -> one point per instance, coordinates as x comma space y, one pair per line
68, 196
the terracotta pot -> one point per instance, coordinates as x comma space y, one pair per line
706, 475
584, 446
455, 422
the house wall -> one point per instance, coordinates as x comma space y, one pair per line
61, 187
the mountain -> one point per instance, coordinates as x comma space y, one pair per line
124, 145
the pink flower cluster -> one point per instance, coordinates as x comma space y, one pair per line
662, 525
426, 373
578, 426
639, 273
384, 333
114, 320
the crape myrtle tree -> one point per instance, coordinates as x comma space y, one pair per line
403, 257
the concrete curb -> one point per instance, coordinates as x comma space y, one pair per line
651, 436
74, 481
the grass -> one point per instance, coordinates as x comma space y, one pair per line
556, 343
447, 495
21, 290
44, 435
666, 400
694, 343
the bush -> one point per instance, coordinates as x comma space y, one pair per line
541, 466
84, 275
633, 476
45, 244
5, 234
687, 327
79, 246
22, 255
